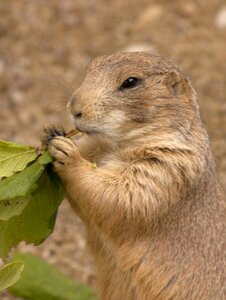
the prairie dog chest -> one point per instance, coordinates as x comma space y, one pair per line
96, 149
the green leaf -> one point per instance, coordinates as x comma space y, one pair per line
10, 274
26, 181
45, 159
22, 183
14, 157
42, 281
37, 219
12, 207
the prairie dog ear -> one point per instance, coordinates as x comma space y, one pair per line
175, 83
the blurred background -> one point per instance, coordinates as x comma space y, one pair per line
44, 49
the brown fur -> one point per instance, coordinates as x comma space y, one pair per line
153, 208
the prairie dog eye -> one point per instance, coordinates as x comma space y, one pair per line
130, 83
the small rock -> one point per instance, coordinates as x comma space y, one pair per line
220, 20
16, 96
66, 5
2, 65
71, 20
187, 9
149, 15
139, 47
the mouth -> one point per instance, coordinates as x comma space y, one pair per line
84, 130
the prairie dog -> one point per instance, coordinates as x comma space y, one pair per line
153, 208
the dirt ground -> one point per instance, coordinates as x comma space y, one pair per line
44, 48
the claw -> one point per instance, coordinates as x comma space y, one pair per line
50, 132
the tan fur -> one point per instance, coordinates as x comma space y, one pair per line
153, 208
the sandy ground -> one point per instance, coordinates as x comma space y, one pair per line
44, 48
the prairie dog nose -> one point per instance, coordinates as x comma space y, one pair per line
74, 107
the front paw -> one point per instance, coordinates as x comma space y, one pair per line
64, 151
49, 133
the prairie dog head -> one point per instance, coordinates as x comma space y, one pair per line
127, 94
